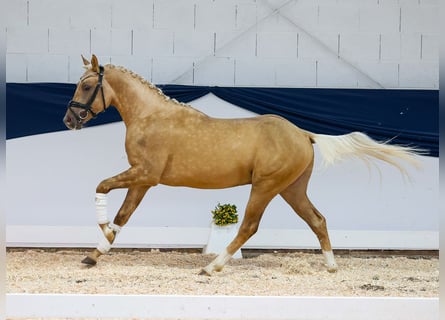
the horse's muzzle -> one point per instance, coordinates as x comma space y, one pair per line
71, 122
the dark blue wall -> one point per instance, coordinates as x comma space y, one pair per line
408, 116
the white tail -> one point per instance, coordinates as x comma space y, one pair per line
359, 145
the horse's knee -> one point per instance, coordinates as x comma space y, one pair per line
102, 187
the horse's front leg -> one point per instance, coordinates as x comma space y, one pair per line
137, 187
110, 230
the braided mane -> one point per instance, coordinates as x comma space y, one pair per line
145, 82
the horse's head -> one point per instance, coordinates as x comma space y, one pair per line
90, 97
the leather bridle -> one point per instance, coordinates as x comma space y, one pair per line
87, 106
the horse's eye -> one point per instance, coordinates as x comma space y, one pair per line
83, 114
86, 87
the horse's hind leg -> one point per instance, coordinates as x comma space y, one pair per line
110, 230
295, 195
255, 208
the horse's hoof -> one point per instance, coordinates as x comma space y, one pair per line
204, 273
332, 269
88, 261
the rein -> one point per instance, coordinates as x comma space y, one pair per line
87, 106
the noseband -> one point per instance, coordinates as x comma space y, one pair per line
87, 106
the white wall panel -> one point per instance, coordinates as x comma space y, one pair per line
174, 15
17, 14
48, 68
121, 42
153, 42
275, 22
50, 13
277, 45
431, 2
430, 47
419, 18
424, 75
101, 41
194, 43
16, 67
339, 18
66, 40
140, 64
310, 31
404, 3
304, 15
410, 46
27, 40
236, 44
168, 69
215, 71
254, 72
215, 15
380, 18
132, 14
246, 15
359, 46
112, 41
87, 13
291, 72
390, 47
386, 73
75, 69
333, 73
318, 46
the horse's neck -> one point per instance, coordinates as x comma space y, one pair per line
134, 97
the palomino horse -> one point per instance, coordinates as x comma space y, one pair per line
171, 143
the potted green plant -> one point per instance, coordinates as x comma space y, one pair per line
223, 229
225, 214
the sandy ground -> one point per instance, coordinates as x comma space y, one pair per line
176, 272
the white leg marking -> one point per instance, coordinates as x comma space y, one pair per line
218, 263
221, 260
330, 261
101, 208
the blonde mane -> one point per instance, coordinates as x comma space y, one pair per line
146, 83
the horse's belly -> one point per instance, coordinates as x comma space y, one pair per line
206, 176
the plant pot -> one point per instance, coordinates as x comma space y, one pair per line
220, 237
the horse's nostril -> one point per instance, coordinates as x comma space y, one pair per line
68, 119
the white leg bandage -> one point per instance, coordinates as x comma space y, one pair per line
102, 218
104, 245
101, 208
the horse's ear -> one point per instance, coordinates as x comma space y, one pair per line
85, 61
95, 64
